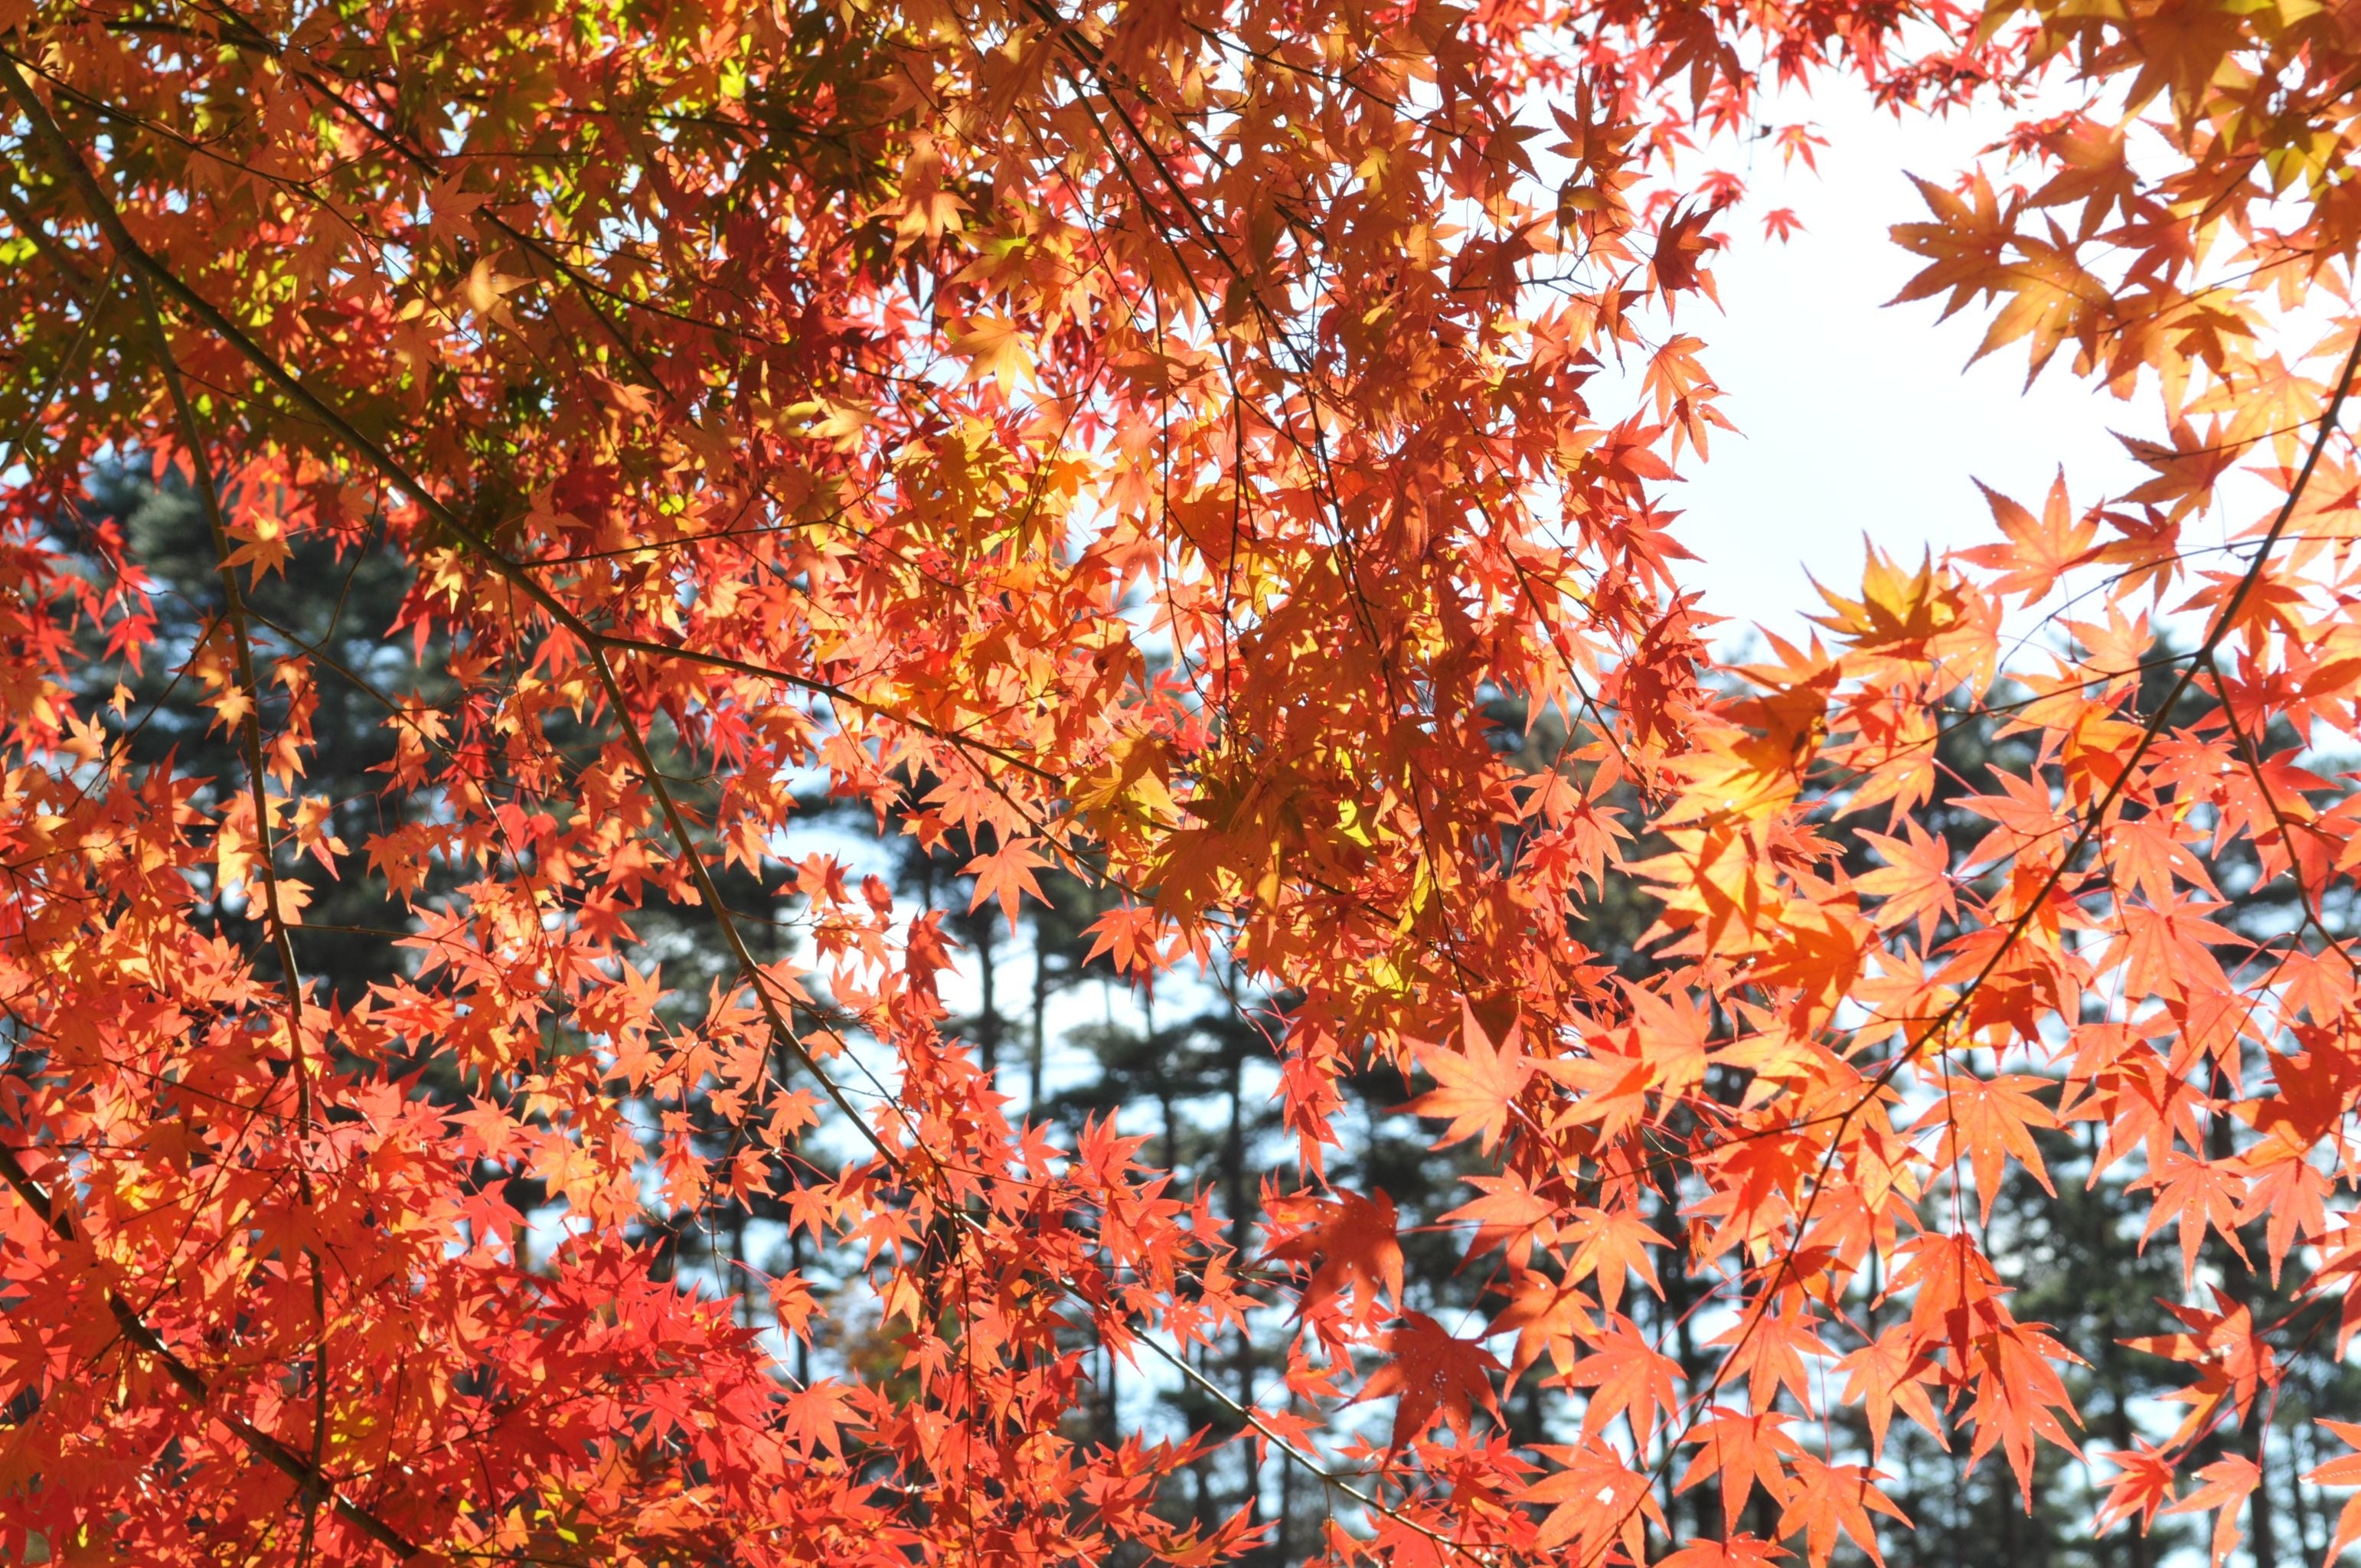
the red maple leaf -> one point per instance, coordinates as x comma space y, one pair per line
2144, 1483
1598, 1497
2233, 1361
1626, 1375
1354, 1240
1432, 1372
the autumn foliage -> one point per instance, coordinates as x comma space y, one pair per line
1149, 444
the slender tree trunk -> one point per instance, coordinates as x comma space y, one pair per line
987, 1023
2306, 1540
1035, 1047
1234, 1185
803, 1346
2264, 1541
1234, 1152
1280, 1545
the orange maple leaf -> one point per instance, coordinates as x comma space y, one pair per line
1889, 1371
2343, 1472
2040, 550
1546, 1315
1989, 1120
1611, 1244
1744, 1451
1477, 1085
1915, 882
2227, 1482
1736, 1552
1830, 1500
2233, 1361
1510, 1215
1006, 874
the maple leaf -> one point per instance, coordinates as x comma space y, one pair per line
1742, 1451
1897, 611
2343, 1472
1609, 1246
2051, 298
1546, 1315
263, 546
1510, 1215
1770, 1348
1593, 1498
1891, 1370
1353, 1238
2019, 1398
2228, 1482
1833, 1499
2144, 1483
1681, 245
1432, 1372
2040, 550
1627, 1375
1130, 935
2315, 1089
2201, 1194
1963, 245
1477, 1085
1006, 874
2288, 1195
1988, 1120
996, 349
2233, 1359
1915, 882
814, 1418
1731, 1552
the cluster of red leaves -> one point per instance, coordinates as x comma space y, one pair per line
1138, 440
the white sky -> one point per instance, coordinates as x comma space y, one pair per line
1855, 418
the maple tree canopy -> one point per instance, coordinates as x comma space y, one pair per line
1186, 452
